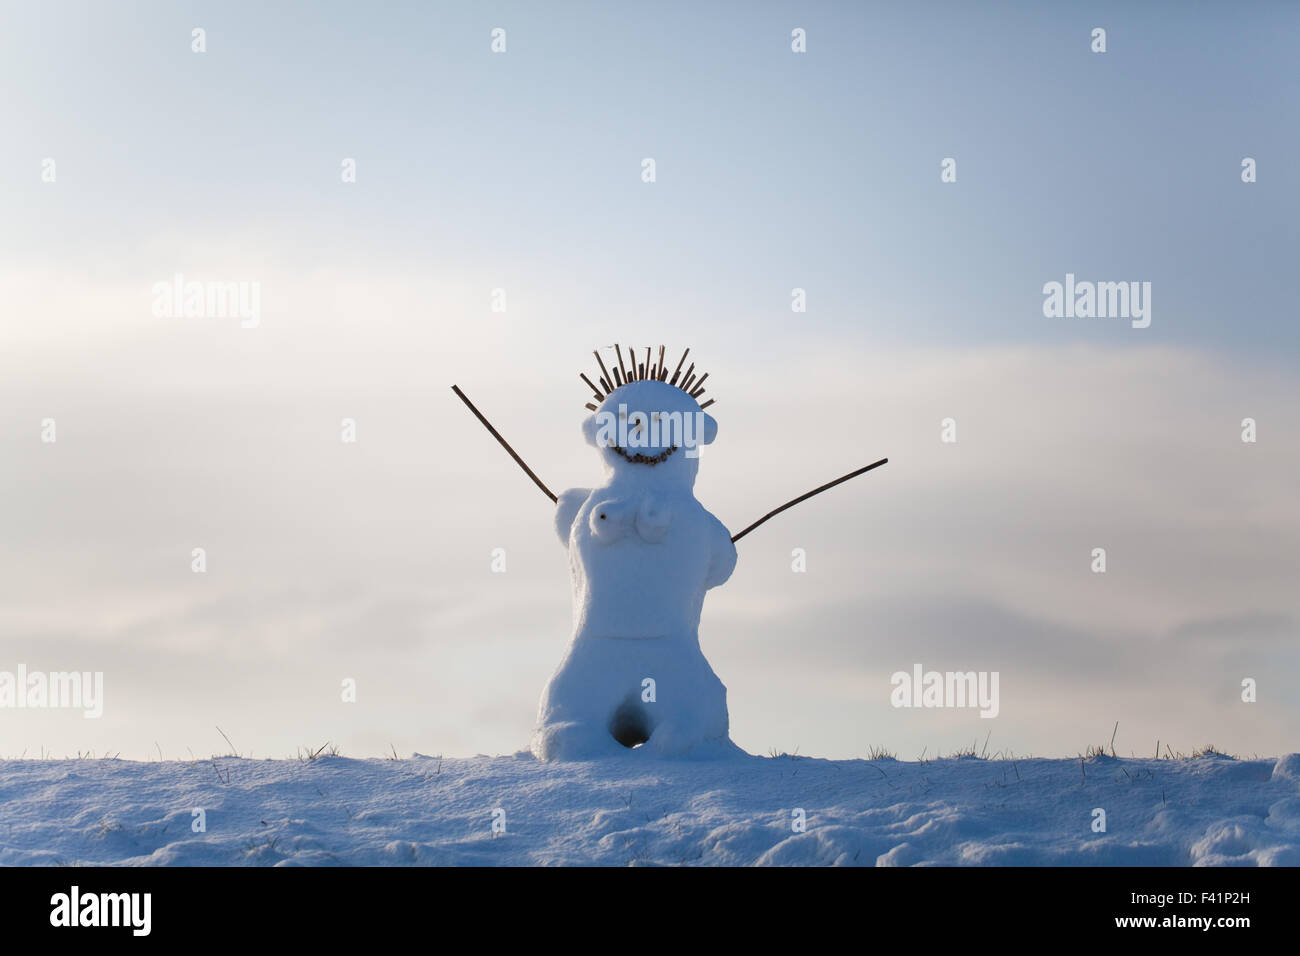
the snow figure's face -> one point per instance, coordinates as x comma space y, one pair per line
651, 430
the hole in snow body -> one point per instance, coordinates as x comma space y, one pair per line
630, 725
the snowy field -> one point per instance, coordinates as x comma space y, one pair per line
1210, 810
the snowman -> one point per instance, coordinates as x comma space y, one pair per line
642, 554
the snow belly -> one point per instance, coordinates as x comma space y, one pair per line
634, 589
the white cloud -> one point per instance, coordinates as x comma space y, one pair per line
329, 560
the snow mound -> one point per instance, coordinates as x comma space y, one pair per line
636, 809
1288, 768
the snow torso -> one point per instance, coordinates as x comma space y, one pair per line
641, 559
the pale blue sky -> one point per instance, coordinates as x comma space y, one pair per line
775, 170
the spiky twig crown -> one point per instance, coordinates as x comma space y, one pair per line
651, 370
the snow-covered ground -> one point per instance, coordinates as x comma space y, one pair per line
1209, 810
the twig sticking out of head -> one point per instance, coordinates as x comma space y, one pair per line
599, 396
677, 370
604, 372
621, 367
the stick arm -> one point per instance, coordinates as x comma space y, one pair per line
804, 497
504, 444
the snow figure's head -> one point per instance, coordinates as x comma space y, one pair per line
650, 431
